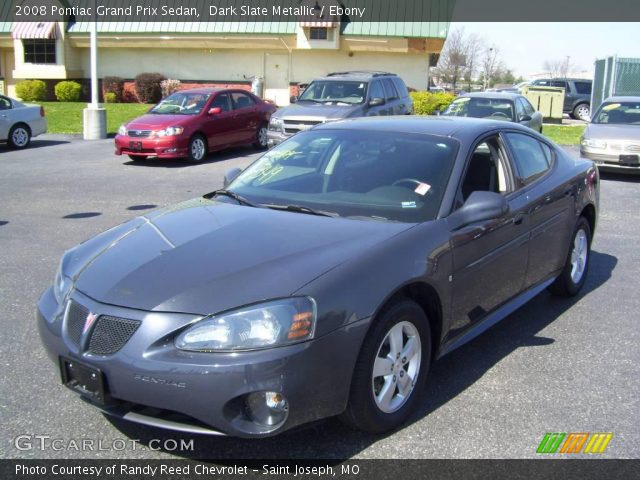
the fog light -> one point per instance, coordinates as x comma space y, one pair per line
267, 408
170, 150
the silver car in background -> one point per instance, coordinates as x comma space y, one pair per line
612, 139
19, 123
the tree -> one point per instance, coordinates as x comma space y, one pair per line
490, 65
558, 68
475, 46
453, 59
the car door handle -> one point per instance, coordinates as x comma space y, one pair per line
518, 218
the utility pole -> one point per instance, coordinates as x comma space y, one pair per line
94, 116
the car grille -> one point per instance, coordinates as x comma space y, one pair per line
110, 334
139, 133
76, 318
622, 147
295, 126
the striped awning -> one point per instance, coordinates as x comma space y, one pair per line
317, 24
32, 30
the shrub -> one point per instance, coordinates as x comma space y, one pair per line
31, 90
427, 103
169, 86
148, 87
68, 91
110, 97
113, 85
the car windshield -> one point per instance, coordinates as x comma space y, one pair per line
494, 108
326, 91
618, 113
182, 103
370, 175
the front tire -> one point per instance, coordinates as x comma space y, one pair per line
19, 136
576, 267
391, 369
262, 139
197, 149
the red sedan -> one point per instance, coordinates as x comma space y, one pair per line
191, 123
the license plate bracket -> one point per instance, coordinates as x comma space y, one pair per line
629, 160
137, 146
86, 380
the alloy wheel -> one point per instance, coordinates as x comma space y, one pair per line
579, 256
583, 112
198, 149
20, 137
262, 136
396, 367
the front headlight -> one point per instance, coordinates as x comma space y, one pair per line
61, 285
122, 130
270, 324
275, 123
593, 143
170, 132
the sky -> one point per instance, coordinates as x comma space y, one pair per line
524, 47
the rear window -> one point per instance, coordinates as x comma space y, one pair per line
583, 88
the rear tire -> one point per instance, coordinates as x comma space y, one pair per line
19, 136
391, 369
581, 111
197, 149
576, 267
262, 139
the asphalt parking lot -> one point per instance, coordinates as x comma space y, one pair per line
556, 365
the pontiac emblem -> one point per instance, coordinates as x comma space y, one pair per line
89, 321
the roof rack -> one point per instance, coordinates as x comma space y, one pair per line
372, 73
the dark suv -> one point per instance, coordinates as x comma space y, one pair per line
341, 95
577, 94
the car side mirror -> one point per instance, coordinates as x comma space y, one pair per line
374, 102
214, 111
293, 99
525, 118
230, 176
480, 206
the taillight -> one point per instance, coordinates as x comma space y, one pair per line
42, 111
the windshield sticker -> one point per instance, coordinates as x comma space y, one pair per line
422, 188
409, 205
611, 106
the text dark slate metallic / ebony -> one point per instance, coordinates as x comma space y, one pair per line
324, 279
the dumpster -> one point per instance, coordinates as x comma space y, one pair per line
549, 101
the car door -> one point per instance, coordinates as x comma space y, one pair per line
247, 116
391, 96
549, 204
221, 129
405, 105
6, 107
489, 258
568, 94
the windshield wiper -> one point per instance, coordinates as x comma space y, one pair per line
301, 209
228, 193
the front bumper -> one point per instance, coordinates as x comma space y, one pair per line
274, 137
161, 147
204, 392
612, 162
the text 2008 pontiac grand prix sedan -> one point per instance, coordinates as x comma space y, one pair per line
324, 279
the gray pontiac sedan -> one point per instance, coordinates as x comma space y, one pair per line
324, 279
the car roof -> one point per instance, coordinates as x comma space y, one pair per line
207, 90
496, 95
622, 99
357, 75
462, 128
562, 79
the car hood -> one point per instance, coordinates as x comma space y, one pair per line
612, 132
151, 121
204, 256
315, 110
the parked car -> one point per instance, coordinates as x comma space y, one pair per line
577, 94
341, 95
511, 107
322, 280
190, 123
612, 138
19, 123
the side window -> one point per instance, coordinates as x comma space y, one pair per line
531, 158
519, 109
389, 89
242, 100
376, 90
400, 87
583, 88
528, 108
223, 101
559, 83
5, 103
486, 171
